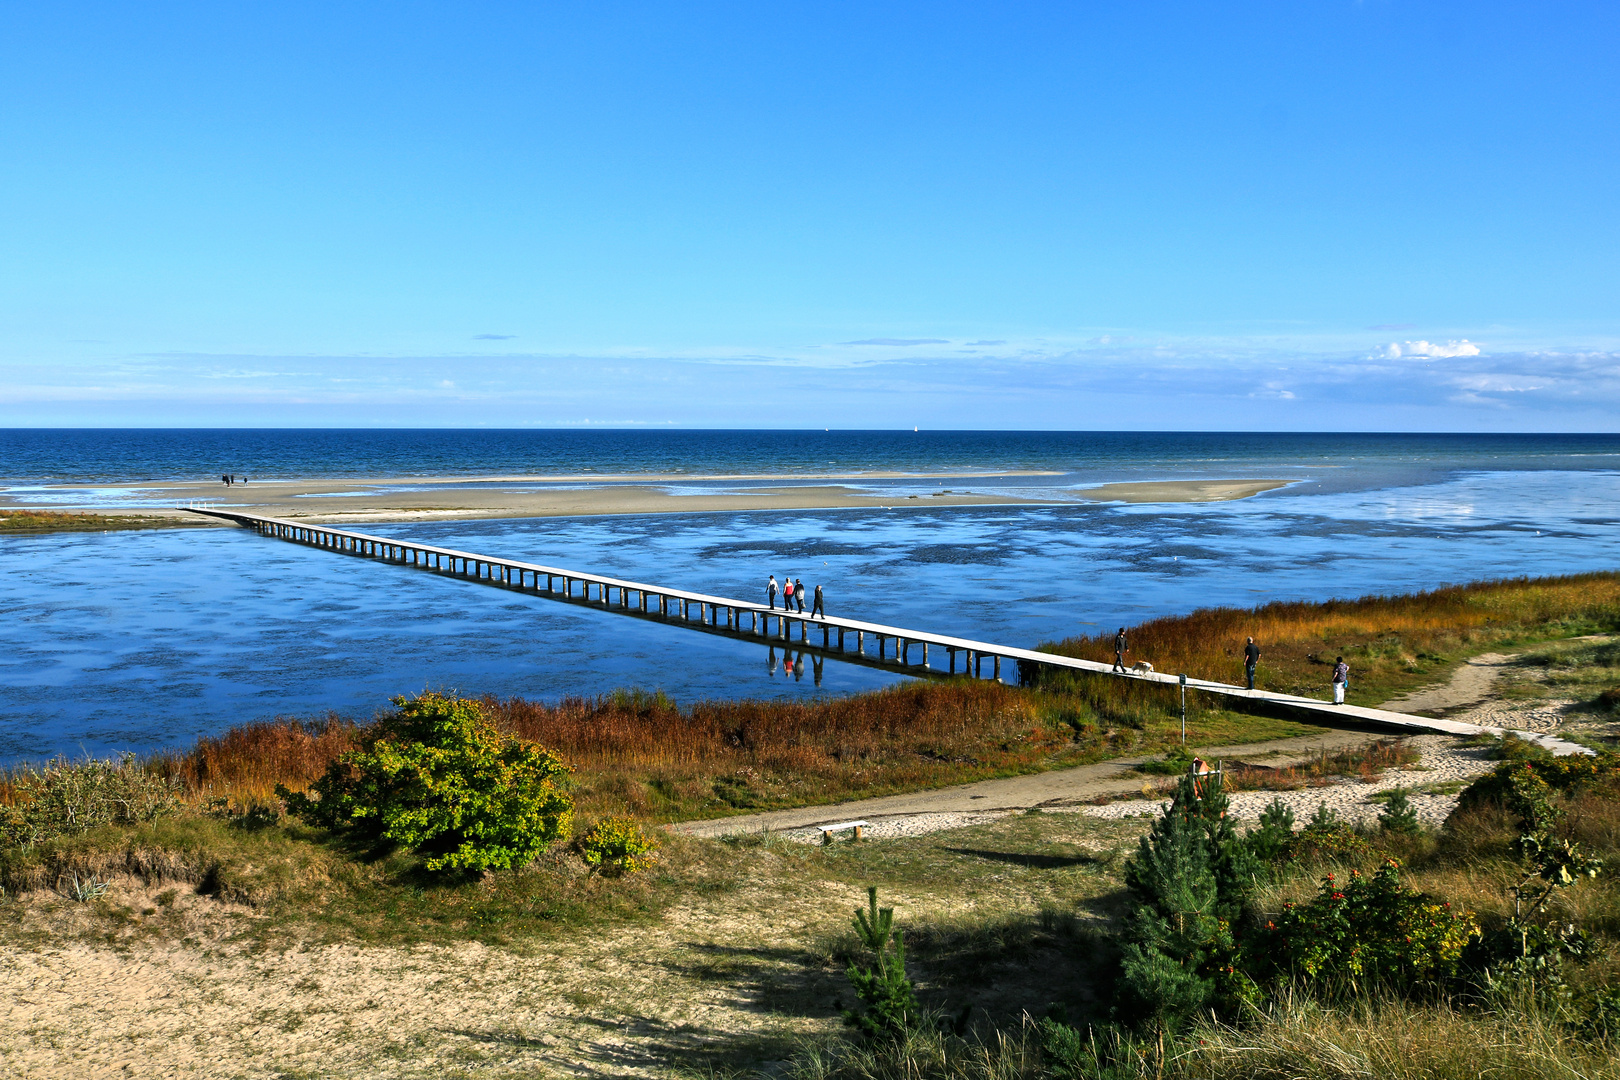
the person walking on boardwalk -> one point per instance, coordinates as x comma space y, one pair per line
771, 590
1251, 657
798, 593
787, 593
816, 609
1121, 647
1341, 680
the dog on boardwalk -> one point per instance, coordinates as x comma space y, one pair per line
1141, 667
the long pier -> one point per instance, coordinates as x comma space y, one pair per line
848, 640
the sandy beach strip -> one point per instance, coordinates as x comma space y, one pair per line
432, 498
1180, 491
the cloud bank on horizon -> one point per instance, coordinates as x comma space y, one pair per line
1098, 384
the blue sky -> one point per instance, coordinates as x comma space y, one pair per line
1292, 215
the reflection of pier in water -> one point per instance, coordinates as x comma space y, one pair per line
892, 648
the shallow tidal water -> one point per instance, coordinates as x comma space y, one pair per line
141, 640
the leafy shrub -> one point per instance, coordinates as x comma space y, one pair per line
1565, 775
1369, 933
1325, 838
438, 777
1528, 952
64, 798
617, 845
891, 1010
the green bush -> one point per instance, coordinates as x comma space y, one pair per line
65, 797
1368, 934
439, 778
1326, 837
617, 845
1565, 775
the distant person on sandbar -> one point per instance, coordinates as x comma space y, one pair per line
225, 479
1341, 680
817, 608
798, 593
1251, 657
771, 589
1121, 647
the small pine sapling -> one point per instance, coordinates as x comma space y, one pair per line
1269, 840
891, 1002
1398, 815
1324, 820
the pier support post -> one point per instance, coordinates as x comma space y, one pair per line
998, 668
925, 654
860, 642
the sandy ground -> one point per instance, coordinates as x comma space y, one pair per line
1178, 491
607, 1004
732, 972
398, 499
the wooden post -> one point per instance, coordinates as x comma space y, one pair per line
998, 668
925, 654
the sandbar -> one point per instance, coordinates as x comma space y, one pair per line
1180, 491
395, 499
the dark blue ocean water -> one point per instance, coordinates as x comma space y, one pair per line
145, 639
100, 456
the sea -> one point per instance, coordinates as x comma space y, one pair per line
145, 640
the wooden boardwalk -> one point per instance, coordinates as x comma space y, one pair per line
845, 639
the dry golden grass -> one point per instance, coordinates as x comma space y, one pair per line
641, 754
1391, 642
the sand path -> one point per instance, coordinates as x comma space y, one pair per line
1444, 765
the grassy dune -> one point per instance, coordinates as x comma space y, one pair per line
1392, 643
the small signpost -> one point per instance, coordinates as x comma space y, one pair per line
1183, 710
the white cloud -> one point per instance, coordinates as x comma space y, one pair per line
1427, 350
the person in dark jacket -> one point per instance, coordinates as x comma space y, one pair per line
1251, 657
798, 593
817, 609
1121, 647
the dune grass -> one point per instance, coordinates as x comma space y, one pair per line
644, 755
1392, 643
44, 521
